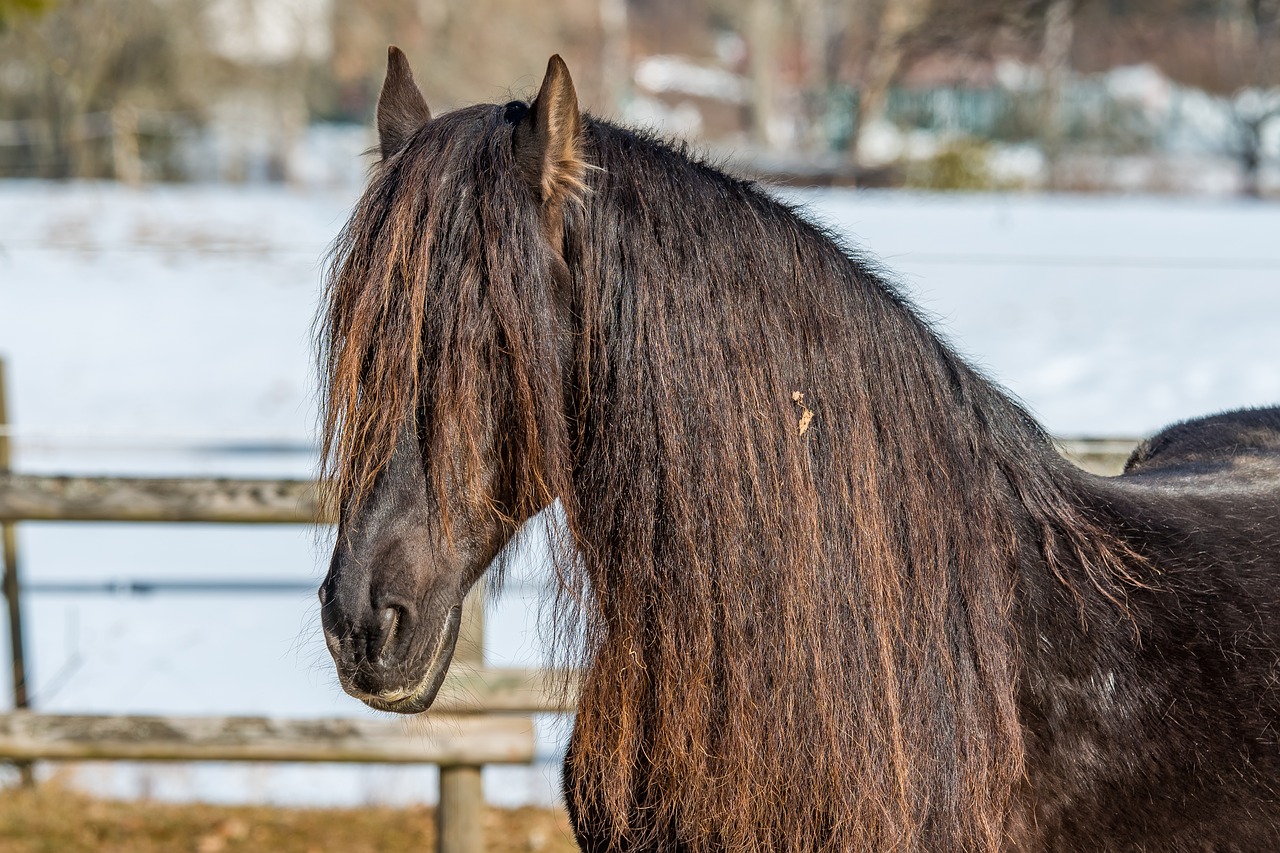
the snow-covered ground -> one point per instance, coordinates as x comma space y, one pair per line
144, 330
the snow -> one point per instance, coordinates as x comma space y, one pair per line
137, 323
676, 74
1105, 315
1141, 85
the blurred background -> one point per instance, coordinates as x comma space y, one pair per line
1080, 192
1158, 95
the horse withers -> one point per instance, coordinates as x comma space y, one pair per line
829, 587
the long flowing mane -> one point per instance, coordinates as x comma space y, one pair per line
792, 510
435, 308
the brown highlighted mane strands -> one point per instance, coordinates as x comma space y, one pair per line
805, 640
434, 312
831, 588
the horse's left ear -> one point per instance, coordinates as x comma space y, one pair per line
401, 107
548, 141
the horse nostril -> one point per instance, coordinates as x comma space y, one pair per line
388, 622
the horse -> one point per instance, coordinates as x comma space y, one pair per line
830, 588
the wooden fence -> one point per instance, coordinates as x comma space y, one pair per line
481, 717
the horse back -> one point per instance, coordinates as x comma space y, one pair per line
1189, 714
1243, 442
1203, 498
1207, 491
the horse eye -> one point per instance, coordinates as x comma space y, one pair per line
514, 111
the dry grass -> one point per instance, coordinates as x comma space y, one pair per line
51, 819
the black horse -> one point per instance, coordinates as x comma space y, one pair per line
831, 589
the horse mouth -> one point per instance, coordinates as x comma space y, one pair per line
418, 698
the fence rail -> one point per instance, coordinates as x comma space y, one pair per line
1105, 456
26, 497
441, 739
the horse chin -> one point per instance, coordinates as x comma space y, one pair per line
418, 698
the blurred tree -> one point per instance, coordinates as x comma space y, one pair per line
1226, 47
1251, 116
898, 19
11, 9
1055, 62
615, 53
83, 59
84, 77
764, 22
824, 29
463, 51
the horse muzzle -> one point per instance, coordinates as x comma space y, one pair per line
384, 662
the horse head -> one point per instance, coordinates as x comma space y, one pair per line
444, 350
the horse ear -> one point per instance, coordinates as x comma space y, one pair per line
548, 142
401, 107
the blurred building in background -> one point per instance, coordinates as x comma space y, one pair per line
1162, 95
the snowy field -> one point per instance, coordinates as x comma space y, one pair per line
167, 331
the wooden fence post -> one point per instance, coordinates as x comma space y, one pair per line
460, 809
9, 559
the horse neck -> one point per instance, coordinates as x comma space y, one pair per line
794, 503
